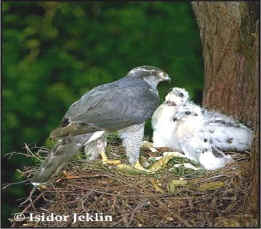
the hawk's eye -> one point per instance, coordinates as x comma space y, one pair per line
181, 95
187, 112
174, 119
205, 140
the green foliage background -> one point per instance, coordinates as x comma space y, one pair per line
53, 52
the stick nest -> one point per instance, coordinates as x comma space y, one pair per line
177, 197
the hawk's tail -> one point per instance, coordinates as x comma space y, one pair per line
60, 154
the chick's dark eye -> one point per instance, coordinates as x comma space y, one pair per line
187, 112
205, 140
181, 95
174, 119
195, 114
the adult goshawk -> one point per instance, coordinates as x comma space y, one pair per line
122, 106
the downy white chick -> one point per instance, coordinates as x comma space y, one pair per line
187, 133
227, 134
185, 127
162, 117
192, 138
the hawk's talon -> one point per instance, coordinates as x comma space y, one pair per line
107, 161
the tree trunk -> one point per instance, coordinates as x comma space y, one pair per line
230, 41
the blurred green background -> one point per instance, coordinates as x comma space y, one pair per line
53, 52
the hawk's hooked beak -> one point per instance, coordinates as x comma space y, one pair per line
165, 77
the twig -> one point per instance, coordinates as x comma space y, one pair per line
139, 206
29, 198
32, 154
14, 183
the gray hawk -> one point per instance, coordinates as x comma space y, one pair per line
123, 106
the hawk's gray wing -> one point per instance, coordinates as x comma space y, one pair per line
115, 107
110, 107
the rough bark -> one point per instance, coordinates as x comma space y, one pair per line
230, 41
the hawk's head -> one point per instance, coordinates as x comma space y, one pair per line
177, 96
152, 75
